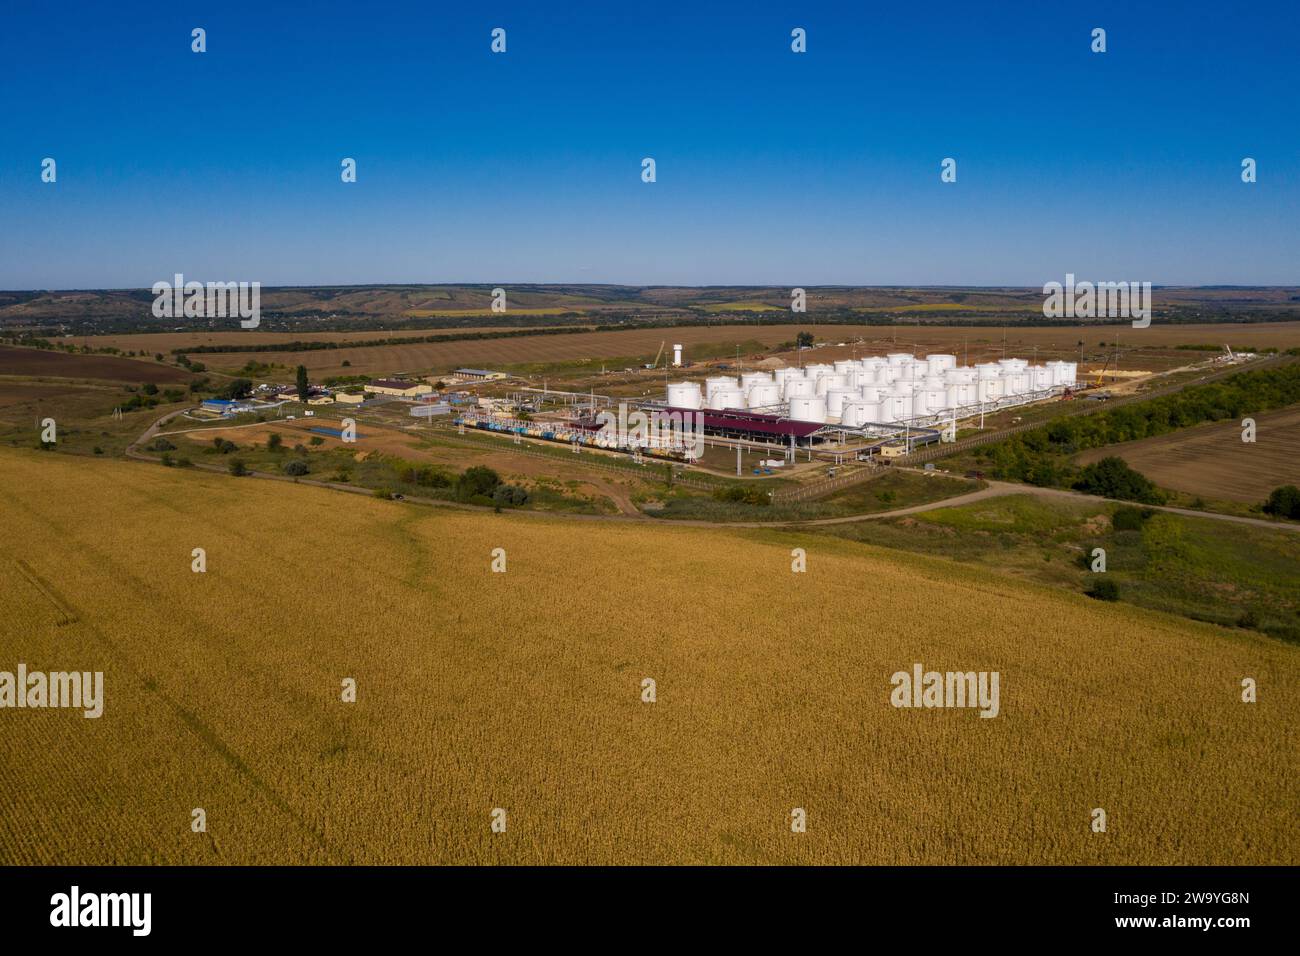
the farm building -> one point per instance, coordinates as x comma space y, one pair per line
480, 374
428, 410
397, 388
321, 399
350, 398
222, 406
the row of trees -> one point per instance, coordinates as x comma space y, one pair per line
1041, 456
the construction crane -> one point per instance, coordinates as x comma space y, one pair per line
658, 355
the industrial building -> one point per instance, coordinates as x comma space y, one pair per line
397, 388
480, 375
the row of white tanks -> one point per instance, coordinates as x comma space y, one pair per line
884, 390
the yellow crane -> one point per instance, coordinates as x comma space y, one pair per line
658, 355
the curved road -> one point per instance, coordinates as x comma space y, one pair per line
993, 489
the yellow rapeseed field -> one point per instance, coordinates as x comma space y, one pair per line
523, 691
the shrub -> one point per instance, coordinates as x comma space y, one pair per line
161, 444
237, 468
513, 495
1104, 589
425, 476
1128, 518
1113, 478
742, 494
97, 450
476, 481
316, 440
1283, 502
274, 442
297, 468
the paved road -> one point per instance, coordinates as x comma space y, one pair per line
993, 489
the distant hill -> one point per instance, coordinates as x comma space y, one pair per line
383, 307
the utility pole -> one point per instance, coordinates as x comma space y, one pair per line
737, 461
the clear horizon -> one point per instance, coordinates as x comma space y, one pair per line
822, 168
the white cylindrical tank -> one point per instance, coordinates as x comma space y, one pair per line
873, 393
988, 371
836, 398
1040, 377
1071, 373
988, 389
931, 400
829, 381
857, 414
1017, 383
1013, 363
886, 375
727, 398
844, 366
750, 379
808, 409
685, 395
961, 394
715, 382
783, 375
799, 388
812, 371
763, 394
939, 364
900, 407
958, 376
898, 358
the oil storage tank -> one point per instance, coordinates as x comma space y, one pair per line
763, 394
727, 398
836, 399
685, 395
808, 409
799, 388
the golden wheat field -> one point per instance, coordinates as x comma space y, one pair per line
522, 691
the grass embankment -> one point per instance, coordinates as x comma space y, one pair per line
1228, 574
891, 490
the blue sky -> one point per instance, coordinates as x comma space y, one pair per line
821, 168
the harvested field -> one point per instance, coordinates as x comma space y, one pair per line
978, 344
523, 691
44, 362
1212, 461
166, 341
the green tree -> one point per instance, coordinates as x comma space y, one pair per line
477, 480
803, 340
1113, 478
304, 390
237, 388
1283, 502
